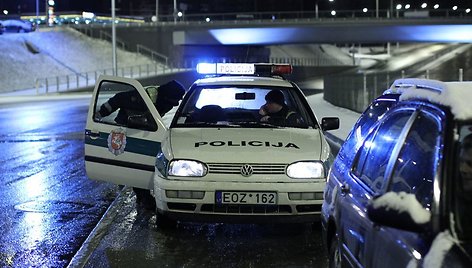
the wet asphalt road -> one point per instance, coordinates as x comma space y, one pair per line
49, 207
132, 239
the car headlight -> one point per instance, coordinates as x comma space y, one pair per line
305, 170
187, 168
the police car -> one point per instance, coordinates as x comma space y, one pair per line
217, 161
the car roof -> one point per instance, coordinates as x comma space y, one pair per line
455, 95
245, 80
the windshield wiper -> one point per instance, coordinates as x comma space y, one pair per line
205, 124
256, 124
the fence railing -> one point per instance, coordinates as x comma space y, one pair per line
65, 83
294, 61
308, 15
155, 56
356, 91
108, 37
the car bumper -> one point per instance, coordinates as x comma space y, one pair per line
205, 207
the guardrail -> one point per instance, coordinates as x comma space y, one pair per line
108, 37
320, 15
84, 79
65, 83
155, 56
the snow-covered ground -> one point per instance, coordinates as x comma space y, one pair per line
26, 57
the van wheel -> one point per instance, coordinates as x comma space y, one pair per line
335, 257
164, 222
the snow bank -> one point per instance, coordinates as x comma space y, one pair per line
441, 245
404, 202
62, 51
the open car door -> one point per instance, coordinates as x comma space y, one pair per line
122, 151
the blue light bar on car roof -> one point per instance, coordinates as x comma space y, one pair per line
225, 68
244, 68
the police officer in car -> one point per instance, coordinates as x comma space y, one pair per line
276, 112
130, 103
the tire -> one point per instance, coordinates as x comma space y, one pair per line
335, 255
164, 222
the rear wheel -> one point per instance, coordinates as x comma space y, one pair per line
335, 257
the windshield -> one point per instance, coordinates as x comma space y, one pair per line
228, 106
463, 189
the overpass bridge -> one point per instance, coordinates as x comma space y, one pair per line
250, 37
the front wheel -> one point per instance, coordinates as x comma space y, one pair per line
164, 222
335, 256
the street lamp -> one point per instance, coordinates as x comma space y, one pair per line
316, 7
113, 38
454, 8
365, 10
399, 6
407, 6
467, 11
424, 5
157, 12
436, 6
175, 11
333, 13
37, 11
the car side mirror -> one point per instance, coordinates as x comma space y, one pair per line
144, 122
329, 123
391, 214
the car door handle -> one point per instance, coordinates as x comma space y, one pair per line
92, 134
345, 189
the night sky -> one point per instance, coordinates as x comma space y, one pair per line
146, 7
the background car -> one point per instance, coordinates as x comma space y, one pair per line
18, 26
218, 162
398, 193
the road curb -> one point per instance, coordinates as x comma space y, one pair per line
101, 229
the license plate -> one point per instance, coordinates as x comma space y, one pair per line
250, 198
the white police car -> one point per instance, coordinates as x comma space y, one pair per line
217, 161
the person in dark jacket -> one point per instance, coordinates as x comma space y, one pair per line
276, 112
130, 103
164, 97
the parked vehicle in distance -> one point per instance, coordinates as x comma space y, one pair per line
399, 193
18, 26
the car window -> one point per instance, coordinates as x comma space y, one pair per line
415, 166
374, 113
238, 106
374, 155
463, 186
118, 103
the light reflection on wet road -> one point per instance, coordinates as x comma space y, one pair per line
48, 204
134, 240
